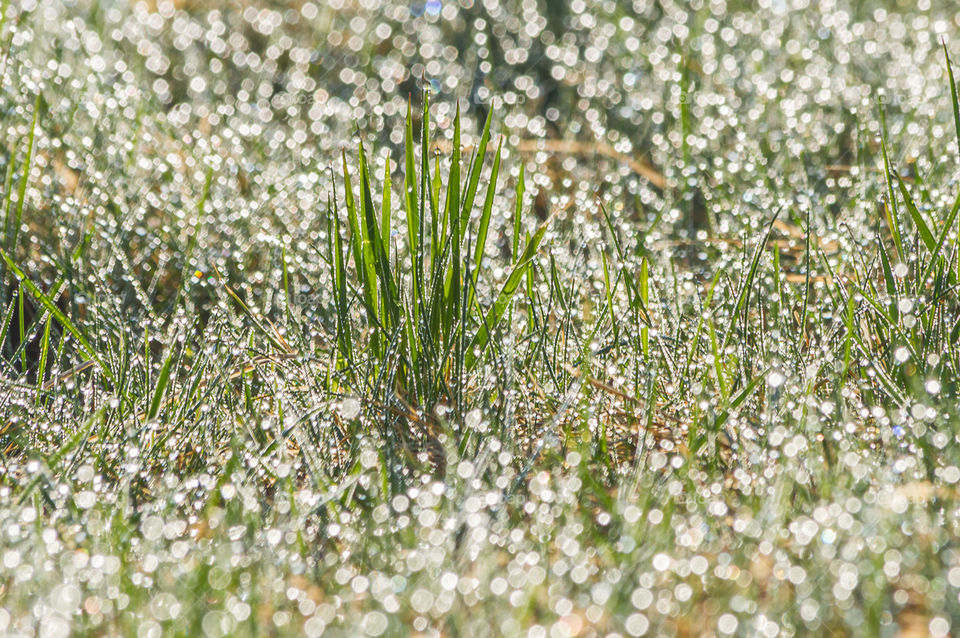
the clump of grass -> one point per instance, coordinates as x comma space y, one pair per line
423, 330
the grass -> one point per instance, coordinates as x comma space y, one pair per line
284, 353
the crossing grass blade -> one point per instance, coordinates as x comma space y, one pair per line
746, 287
52, 308
496, 312
941, 242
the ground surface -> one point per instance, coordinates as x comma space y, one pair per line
679, 360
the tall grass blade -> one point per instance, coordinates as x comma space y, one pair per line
375, 253
481, 241
476, 166
22, 194
892, 211
339, 281
953, 93
451, 216
363, 264
386, 211
517, 213
412, 208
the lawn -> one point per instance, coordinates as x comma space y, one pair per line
479, 318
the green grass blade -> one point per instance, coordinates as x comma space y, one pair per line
518, 212
744, 295
742, 396
264, 330
22, 194
3, 17
929, 241
376, 254
645, 299
496, 311
848, 339
385, 210
44, 353
160, 389
22, 329
436, 232
482, 231
353, 221
484, 227
7, 204
363, 264
339, 281
695, 345
889, 280
7, 322
476, 166
892, 211
413, 217
717, 362
451, 215
953, 93
608, 291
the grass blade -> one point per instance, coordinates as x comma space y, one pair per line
413, 217
517, 212
481, 241
953, 93
892, 212
918, 220
160, 389
476, 166
22, 194
385, 208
